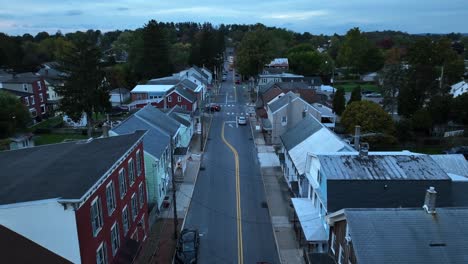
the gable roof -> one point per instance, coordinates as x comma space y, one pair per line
148, 88
51, 171
17, 93
408, 235
202, 73
270, 94
27, 77
179, 119
380, 166
304, 129
282, 101
155, 141
189, 84
452, 164
292, 85
19, 249
157, 118
265, 88
184, 93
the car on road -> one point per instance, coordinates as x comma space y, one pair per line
241, 120
224, 77
238, 81
213, 107
187, 247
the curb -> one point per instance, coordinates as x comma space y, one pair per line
264, 190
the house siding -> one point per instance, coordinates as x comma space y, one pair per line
32, 87
184, 103
339, 229
88, 243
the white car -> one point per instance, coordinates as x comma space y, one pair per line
241, 120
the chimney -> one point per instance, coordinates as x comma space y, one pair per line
430, 200
105, 130
357, 136
364, 149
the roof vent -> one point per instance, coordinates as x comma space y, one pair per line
364, 149
430, 200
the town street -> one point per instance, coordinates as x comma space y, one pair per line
228, 205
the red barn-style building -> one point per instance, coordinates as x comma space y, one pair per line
84, 201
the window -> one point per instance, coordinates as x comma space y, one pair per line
341, 256
333, 243
32, 100
33, 112
142, 223
25, 87
319, 177
110, 195
39, 85
115, 238
48, 96
41, 97
179, 99
101, 254
96, 215
141, 193
284, 120
131, 171
315, 200
169, 98
134, 207
138, 162
125, 220
26, 100
43, 109
122, 183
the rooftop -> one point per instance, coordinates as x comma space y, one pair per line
282, 101
180, 89
156, 88
119, 91
50, 171
158, 118
27, 77
324, 110
452, 164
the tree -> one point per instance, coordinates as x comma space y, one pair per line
85, 89
439, 108
371, 117
422, 121
393, 76
459, 109
13, 114
355, 95
155, 58
304, 59
255, 50
180, 54
339, 101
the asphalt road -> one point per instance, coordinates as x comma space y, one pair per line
224, 202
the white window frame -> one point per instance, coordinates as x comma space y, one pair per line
131, 172
134, 203
43, 108
141, 193
33, 102
26, 100
122, 183
284, 120
169, 98
139, 162
102, 249
115, 238
41, 97
333, 242
125, 220
100, 222
179, 98
341, 255
110, 197
39, 85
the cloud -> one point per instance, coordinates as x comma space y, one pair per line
296, 15
74, 12
122, 8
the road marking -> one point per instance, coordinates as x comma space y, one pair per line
230, 125
240, 251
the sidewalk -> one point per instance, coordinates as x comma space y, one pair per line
278, 199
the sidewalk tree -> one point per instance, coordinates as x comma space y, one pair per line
355, 94
85, 87
13, 114
339, 101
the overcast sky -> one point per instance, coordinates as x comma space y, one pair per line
315, 16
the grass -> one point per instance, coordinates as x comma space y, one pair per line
49, 123
45, 139
348, 87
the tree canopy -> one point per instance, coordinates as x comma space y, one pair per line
13, 114
339, 101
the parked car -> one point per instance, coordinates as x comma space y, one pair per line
187, 247
237, 81
213, 107
241, 120
224, 77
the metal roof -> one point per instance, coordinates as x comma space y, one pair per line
157, 118
376, 166
304, 129
452, 163
152, 88
181, 90
282, 101
408, 235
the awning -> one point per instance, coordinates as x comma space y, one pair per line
311, 222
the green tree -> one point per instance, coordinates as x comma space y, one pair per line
355, 95
155, 58
304, 59
85, 88
13, 114
439, 108
422, 121
371, 117
255, 50
180, 54
394, 77
339, 101
459, 109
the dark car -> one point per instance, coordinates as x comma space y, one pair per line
237, 81
187, 247
213, 107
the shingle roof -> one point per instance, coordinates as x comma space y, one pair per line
200, 71
189, 84
452, 163
17, 93
159, 119
179, 119
282, 101
155, 141
65, 170
376, 166
27, 77
408, 235
19, 249
300, 132
180, 89
292, 85
272, 93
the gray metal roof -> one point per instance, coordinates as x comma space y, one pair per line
304, 129
165, 80
179, 119
155, 141
189, 84
180, 89
292, 85
159, 119
264, 88
376, 166
282, 101
200, 71
65, 170
452, 163
400, 236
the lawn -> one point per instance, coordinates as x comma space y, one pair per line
49, 123
348, 87
45, 139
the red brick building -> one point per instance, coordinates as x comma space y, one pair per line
182, 97
85, 201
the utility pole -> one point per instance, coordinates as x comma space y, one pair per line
176, 222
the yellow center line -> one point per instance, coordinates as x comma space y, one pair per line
240, 251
